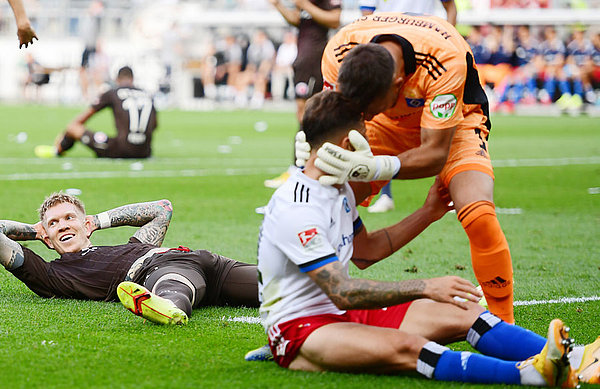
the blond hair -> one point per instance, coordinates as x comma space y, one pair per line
59, 198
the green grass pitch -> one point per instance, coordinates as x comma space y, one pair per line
211, 165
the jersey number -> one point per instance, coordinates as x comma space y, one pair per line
139, 109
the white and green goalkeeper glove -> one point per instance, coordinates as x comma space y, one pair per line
343, 165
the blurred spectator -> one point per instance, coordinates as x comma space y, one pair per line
261, 57
37, 75
592, 69
499, 42
282, 79
314, 19
427, 7
99, 69
521, 84
579, 53
89, 34
553, 52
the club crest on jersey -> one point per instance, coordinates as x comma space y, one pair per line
346, 205
309, 237
415, 103
443, 106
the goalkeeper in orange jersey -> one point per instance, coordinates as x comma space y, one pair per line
415, 80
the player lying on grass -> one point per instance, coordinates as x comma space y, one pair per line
318, 318
179, 279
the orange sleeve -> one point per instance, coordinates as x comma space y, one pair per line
444, 97
329, 65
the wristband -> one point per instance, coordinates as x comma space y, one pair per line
104, 220
386, 167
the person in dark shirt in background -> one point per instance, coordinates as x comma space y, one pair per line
135, 119
159, 284
314, 19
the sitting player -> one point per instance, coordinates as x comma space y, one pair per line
135, 118
159, 284
319, 319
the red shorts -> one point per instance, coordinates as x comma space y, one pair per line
285, 339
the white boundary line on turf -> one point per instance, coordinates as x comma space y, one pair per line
138, 174
254, 170
562, 300
171, 160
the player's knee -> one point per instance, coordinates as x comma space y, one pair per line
401, 351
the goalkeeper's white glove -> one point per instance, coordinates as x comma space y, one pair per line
301, 149
343, 165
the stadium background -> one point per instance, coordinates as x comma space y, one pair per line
152, 34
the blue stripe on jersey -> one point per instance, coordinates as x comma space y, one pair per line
357, 224
317, 263
367, 8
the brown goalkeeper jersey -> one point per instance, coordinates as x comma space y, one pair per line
90, 274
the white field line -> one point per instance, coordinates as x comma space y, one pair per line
593, 160
139, 174
154, 160
562, 300
234, 171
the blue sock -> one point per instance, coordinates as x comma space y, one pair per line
578, 88
563, 86
550, 86
387, 189
491, 336
518, 92
531, 85
475, 368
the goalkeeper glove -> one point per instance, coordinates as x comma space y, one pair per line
301, 149
343, 165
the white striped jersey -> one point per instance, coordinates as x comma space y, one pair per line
307, 225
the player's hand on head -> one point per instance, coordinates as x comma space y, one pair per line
357, 165
40, 233
301, 149
93, 224
26, 35
452, 290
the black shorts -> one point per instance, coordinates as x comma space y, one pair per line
218, 280
106, 147
85, 57
308, 79
40, 78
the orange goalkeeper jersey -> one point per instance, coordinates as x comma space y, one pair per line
442, 88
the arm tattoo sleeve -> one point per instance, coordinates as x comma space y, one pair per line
153, 218
349, 293
17, 231
11, 253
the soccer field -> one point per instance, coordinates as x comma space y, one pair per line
211, 165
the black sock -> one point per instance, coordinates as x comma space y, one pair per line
65, 144
179, 293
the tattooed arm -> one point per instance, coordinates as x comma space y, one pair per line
11, 253
371, 247
354, 293
153, 218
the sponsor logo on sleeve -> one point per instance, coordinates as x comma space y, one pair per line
415, 103
310, 238
443, 106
